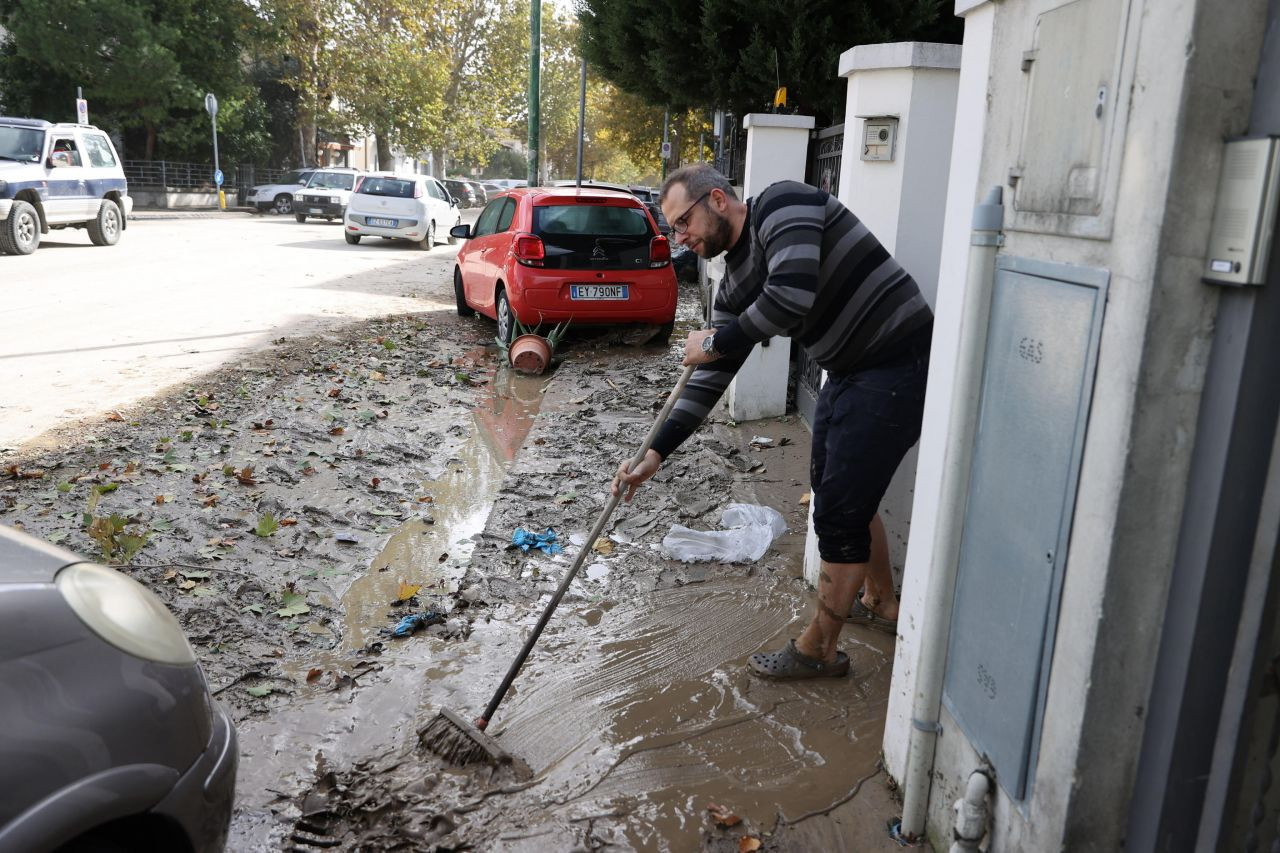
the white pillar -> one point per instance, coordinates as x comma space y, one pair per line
910, 87
777, 147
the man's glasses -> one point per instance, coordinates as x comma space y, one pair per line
681, 224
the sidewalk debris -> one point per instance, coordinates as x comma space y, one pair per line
415, 622
749, 531
545, 542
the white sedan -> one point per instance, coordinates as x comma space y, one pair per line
400, 207
278, 197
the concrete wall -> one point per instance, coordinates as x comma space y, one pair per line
1182, 82
962, 193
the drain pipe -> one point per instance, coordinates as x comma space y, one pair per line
971, 814
988, 217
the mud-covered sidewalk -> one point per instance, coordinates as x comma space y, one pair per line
294, 509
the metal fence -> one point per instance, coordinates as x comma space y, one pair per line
825, 153
168, 175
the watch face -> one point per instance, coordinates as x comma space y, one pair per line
708, 343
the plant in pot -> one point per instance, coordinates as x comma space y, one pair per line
529, 351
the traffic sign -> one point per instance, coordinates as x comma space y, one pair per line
211, 105
666, 151
217, 177
82, 111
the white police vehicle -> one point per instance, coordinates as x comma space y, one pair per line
58, 176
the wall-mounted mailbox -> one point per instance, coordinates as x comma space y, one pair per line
1244, 216
879, 133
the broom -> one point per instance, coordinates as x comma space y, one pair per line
459, 742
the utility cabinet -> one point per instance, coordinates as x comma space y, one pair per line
1041, 350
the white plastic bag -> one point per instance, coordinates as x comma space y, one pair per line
750, 530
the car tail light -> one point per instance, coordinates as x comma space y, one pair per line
659, 252
529, 250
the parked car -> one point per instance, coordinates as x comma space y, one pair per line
59, 176
482, 197
278, 197
462, 191
111, 738
543, 255
400, 207
325, 195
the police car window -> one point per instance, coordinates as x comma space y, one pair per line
64, 150
21, 143
98, 151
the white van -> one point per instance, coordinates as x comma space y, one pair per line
58, 176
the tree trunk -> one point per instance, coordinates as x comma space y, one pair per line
437, 162
383, 144
307, 140
151, 141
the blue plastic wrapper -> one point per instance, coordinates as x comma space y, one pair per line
414, 622
545, 542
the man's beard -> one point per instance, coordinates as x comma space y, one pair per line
718, 240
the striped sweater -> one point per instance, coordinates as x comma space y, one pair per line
807, 268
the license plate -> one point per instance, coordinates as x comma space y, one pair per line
317, 210
598, 291
385, 223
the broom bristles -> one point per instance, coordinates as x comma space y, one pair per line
459, 743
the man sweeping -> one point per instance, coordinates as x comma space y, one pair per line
800, 264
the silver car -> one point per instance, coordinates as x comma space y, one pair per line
111, 739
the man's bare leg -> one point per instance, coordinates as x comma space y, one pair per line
838, 584
877, 593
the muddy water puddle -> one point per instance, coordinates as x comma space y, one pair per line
360, 699
649, 716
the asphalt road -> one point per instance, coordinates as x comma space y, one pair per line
89, 330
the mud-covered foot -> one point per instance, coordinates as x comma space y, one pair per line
860, 614
788, 664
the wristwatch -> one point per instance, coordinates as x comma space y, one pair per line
709, 345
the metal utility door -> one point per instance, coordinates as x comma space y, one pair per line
1037, 382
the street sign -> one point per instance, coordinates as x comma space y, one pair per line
666, 151
211, 105
217, 177
82, 111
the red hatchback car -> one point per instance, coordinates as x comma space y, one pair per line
549, 254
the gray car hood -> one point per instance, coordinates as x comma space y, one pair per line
26, 559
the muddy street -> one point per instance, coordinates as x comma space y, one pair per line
297, 506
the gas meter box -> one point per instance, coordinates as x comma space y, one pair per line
879, 133
1244, 216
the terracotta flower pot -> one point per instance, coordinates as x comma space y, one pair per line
530, 354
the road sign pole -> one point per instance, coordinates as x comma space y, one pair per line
535, 61
211, 105
666, 141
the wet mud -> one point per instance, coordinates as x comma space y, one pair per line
635, 711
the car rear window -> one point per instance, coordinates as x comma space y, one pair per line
593, 236
393, 187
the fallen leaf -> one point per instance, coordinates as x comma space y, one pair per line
315, 672
171, 574
333, 392
288, 522
337, 431
747, 844
374, 482
603, 546
159, 499
187, 585
267, 525
723, 817
114, 416
804, 500
377, 376
295, 604
407, 591
258, 691
245, 476
210, 500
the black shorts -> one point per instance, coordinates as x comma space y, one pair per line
866, 421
